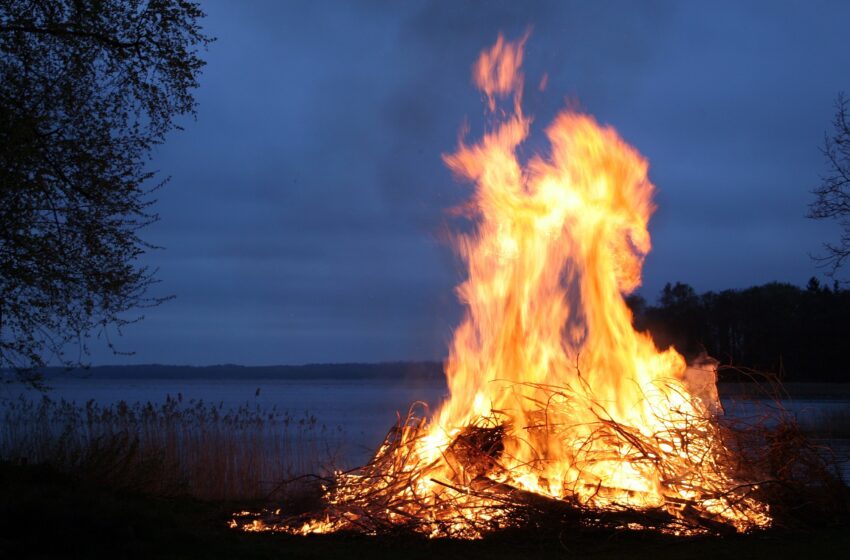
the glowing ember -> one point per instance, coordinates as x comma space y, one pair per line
557, 404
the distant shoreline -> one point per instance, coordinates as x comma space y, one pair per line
388, 371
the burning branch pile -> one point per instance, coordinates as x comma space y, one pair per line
559, 411
468, 491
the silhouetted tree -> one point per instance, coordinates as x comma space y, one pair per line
776, 328
832, 197
86, 90
677, 319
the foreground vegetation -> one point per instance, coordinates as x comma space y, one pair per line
192, 449
48, 514
163, 481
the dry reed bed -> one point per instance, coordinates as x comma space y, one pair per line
195, 448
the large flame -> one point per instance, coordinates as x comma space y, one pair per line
547, 343
552, 391
559, 241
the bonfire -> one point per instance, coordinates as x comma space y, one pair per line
559, 411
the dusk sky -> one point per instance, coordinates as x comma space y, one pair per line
306, 214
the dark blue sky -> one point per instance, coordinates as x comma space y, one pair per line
305, 215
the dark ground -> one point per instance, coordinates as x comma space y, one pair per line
44, 514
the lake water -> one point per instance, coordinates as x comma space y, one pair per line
364, 409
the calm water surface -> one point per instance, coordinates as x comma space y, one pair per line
364, 409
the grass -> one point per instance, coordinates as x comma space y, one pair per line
176, 448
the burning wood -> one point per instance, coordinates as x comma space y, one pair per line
478, 494
560, 412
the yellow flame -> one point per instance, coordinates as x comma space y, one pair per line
547, 342
580, 406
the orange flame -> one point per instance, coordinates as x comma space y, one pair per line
547, 343
580, 406
496, 72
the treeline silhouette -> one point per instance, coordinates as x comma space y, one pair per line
798, 334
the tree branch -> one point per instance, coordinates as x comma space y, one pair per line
68, 31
